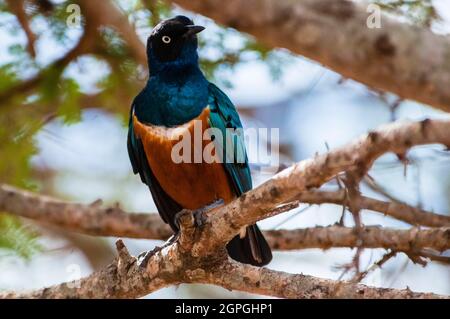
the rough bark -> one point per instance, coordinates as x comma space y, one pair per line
88, 219
335, 34
127, 278
413, 239
285, 285
401, 211
225, 222
198, 254
95, 220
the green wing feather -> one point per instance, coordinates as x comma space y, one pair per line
223, 116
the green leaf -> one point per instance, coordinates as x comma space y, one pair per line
16, 239
69, 108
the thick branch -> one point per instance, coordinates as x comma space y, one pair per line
386, 58
199, 256
123, 278
236, 276
128, 278
84, 45
95, 220
88, 219
225, 222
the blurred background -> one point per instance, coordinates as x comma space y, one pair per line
63, 123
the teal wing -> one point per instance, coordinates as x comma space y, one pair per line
253, 248
223, 116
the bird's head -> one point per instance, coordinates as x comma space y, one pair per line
173, 41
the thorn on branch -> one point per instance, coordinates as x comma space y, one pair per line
122, 250
125, 260
96, 203
360, 276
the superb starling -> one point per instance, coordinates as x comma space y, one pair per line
177, 94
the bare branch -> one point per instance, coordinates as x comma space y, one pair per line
386, 257
84, 45
386, 58
127, 278
95, 220
123, 278
412, 239
198, 254
236, 276
88, 219
225, 222
398, 210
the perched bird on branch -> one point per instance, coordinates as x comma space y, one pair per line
176, 100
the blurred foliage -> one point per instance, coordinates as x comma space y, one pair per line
17, 239
62, 90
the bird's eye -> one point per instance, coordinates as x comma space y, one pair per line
166, 39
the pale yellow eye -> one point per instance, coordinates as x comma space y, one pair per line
166, 39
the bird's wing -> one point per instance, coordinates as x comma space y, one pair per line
167, 207
224, 116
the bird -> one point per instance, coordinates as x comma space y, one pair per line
177, 95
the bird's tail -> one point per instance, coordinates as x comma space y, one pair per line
251, 249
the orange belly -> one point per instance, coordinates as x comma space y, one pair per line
192, 185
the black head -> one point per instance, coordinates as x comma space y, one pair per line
169, 37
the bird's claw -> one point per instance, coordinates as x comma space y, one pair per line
199, 217
179, 216
144, 257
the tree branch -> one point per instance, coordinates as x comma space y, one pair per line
113, 221
106, 13
400, 211
84, 45
88, 219
18, 8
412, 239
123, 278
198, 254
97, 14
236, 276
226, 221
126, 277
386, 58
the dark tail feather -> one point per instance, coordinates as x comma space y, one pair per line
252, 249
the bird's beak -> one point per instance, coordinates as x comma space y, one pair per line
193, 29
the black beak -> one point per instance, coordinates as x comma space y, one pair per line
193, 29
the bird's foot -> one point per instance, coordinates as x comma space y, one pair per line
144, 257
214, 204
200, 217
